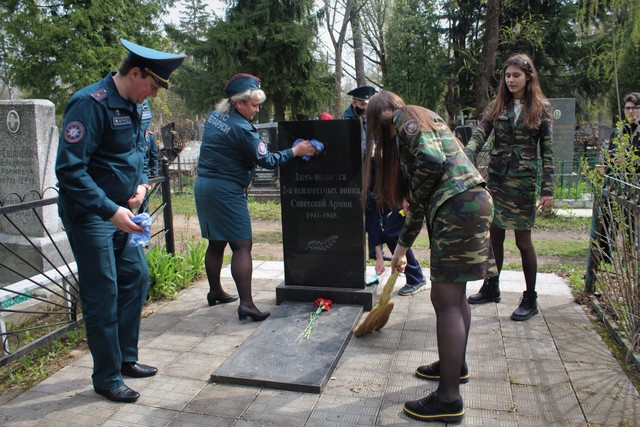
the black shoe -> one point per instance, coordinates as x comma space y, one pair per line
432, 372
431, 408
527, 308
120, 394
254, 314
489, 292
213, 299
137, 370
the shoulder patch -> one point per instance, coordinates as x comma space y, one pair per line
411, 127
262, 148
73, 132
99, 95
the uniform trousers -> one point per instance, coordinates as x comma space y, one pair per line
391, 227
114, 280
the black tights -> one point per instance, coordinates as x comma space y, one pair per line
241, 268
527, 253
453, 320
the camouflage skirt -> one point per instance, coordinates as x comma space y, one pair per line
514, 200
459, 237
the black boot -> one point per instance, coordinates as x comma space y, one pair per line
489, 292
527, 308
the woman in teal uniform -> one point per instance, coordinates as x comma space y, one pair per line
520, 119
420, 165
231, 148
102, 179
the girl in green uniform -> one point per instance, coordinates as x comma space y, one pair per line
520, 119
421, 167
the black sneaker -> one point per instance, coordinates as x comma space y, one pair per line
431, 408
432, 372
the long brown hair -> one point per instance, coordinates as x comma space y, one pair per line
382, 150
533, 100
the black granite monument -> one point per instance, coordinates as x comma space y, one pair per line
324, 256
322, 217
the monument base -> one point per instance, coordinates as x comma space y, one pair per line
25, 258
363, 297
276, 356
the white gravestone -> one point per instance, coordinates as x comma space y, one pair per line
28, 148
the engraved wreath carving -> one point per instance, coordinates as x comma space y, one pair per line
322, 245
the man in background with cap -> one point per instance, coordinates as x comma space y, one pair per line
102, 179
359, 99
357, 110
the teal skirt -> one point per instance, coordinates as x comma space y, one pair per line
222, 210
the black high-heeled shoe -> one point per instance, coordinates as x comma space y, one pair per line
255, 314
213, 299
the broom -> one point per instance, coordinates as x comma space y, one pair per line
379, 314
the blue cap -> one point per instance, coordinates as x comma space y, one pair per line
241, 83
158, 65
362, 93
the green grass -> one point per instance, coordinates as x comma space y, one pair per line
36, 366
184, 204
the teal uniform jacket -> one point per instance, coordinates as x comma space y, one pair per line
231, 149
102, 148
99, 166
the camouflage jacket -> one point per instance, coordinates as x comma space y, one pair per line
434, 167
515, 148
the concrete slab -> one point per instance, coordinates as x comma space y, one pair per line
276, 356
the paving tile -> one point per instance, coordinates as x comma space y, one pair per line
188, 419
531, 349
193, 365
347, 410
487, 394
170, 392
69, 381
140, 415
538, 372
222, 400
33, 408
280, 408
556, 403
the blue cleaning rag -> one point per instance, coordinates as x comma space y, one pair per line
319, 146
141, 239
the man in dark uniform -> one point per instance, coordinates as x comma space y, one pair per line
356, 111
100, 171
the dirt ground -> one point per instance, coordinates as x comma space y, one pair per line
188, 227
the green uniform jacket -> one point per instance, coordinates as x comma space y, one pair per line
101, 151
435, 168
515, 148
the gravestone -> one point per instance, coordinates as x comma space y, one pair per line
324, 256
563, 111
264, 184
28, 149
323, 219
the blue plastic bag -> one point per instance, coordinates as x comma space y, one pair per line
141, 239
319, 146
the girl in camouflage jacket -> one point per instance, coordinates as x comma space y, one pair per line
520, 119
421, 166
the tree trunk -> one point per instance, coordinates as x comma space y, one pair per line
487, 61
358, 51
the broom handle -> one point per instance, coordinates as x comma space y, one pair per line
385, 296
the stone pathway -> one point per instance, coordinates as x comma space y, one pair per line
553, 370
